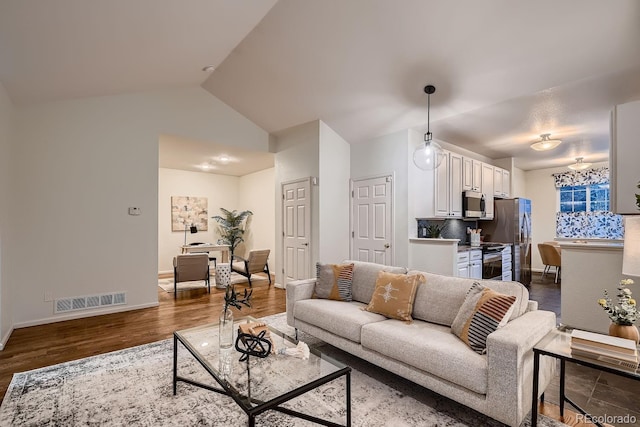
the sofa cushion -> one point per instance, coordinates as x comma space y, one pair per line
344, 319
334, 281
439, 299
394, 294
430, 348
483, 311
364, 278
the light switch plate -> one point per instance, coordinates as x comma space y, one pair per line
134, 211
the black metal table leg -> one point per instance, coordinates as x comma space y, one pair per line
175, 363
348, 388
534, 397
563, 397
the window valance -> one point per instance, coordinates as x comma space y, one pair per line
585, 177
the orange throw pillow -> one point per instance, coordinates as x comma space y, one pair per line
394, 295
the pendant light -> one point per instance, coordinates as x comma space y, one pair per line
428, 155
546, 143
579, 164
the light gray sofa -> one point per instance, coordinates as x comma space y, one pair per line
497, 384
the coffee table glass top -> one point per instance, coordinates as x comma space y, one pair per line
557, 343
263, 379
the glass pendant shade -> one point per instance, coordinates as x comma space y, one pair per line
428, 155
546, 143
579, 165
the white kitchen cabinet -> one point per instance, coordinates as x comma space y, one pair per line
447, 192
487, 189
471, 175
463, 264
623, 158
475, 264
501, 182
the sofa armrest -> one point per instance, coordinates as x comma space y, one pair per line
298, 290
510, 364
532, 305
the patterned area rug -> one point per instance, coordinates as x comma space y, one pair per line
134, 387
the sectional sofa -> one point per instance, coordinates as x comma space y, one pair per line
425, 351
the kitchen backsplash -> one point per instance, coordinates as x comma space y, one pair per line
451, 228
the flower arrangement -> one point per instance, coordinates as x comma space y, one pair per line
626, 311
231, 298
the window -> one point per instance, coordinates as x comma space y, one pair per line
584, 198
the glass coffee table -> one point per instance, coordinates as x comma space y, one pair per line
261, 384
557, 344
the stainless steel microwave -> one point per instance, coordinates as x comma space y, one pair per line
473, 204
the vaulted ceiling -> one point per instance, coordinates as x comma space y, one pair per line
505, 71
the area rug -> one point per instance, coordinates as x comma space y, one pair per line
134, 387
167, 284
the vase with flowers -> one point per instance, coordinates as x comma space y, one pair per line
225, 325
623, 314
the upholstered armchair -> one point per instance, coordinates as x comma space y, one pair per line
190, 267
256, 262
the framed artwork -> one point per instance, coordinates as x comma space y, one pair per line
187, 211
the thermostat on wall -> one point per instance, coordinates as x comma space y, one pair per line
134, 211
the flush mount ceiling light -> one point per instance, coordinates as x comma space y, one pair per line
546, 143
428, 155
579, 164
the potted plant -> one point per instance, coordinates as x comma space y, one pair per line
231, 227
623, 314
434, 231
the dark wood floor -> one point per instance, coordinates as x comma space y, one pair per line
38, 346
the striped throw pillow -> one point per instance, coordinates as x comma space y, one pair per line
483, 311
334, 281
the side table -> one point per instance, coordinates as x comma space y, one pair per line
557, 344
223, 275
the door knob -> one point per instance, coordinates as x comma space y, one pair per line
387, 246
305, 244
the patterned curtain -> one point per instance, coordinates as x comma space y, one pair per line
585, 177
589, 225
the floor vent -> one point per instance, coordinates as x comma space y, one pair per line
64, 305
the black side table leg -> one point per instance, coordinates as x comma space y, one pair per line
534, 397
175, 363
348, 389
562, 395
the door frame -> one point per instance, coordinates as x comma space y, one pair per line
352, 181
308, 179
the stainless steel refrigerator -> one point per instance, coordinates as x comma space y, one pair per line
511, 224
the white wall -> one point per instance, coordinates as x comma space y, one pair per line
518, 183
256, 193
388, 155
78, 166
6, 121
334, 196
220, 191
297, 156
540, 188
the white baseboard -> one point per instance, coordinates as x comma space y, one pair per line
5, 338
79, 315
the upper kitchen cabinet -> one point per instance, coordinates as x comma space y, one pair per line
438, 194
487, 189
623, 158
471, 175
501, 183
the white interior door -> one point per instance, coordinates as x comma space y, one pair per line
296, 231
371, 211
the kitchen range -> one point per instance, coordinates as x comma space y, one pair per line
496, 261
